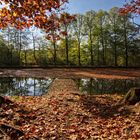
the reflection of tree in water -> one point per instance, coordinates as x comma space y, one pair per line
104, 86
5, 84
37, 86
23, 86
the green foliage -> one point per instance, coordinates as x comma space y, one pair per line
93, 39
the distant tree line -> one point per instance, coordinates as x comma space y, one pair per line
97, 39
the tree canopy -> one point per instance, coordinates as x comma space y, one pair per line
44, 14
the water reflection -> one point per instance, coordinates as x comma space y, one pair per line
106, 86
10, 86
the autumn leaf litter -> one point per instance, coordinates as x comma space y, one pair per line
66, 114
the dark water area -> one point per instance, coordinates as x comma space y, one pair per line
15, 86
10, 86
106, 86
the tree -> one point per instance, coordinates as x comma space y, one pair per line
101, 19
115, 32
78, 33
66, 20
16, 41
53, 33
125, 40
129, 32
89, 28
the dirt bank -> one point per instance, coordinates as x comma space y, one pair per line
74, 73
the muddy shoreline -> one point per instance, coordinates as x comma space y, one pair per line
105, 73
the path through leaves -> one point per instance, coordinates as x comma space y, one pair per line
66, 114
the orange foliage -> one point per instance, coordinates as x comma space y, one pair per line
54, 31
133, 6
25, 13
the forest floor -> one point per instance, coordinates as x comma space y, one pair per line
66, 114
74, 72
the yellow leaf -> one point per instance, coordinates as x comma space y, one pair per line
14, 14
73, 137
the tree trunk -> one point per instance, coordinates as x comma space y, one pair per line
91, 48
25, 57
132, 97
79, 55
34, 46
20, 46
54, 45
125, 43
67, 50
115, 42
102, 42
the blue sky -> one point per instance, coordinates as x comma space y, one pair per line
81, 6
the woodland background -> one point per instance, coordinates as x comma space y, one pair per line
95, 39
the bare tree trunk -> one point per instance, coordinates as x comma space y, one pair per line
54, 45
115, 53
25, 57
10, 50
79, 54
91, 48
115, 44
20, 46
125, 43
67, 50
103, 45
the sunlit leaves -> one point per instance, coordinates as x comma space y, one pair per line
40, 13
55, 23
133, 6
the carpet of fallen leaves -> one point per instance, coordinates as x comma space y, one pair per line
66, 114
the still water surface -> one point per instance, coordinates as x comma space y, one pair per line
106, 86
10, 86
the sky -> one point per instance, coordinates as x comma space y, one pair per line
81, 6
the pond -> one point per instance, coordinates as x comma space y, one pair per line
10, 86
106, 86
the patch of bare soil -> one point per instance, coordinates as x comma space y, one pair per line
74, 73
66, 114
